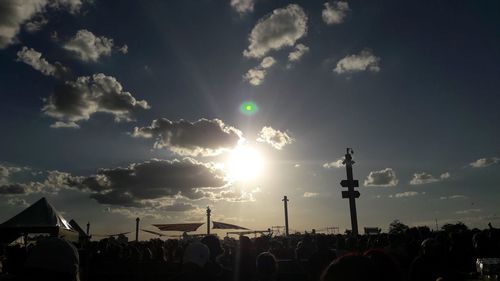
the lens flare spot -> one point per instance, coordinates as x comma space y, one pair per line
249, 108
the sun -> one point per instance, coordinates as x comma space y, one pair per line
245, 163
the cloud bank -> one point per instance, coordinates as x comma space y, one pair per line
201, 138
15, 13
75, 101
90, 48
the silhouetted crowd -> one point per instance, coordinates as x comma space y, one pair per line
403, 254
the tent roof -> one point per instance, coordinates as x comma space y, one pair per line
77, 227
39, 215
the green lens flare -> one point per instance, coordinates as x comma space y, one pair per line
249, 108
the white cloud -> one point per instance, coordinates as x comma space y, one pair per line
17, 202
256, 75
335, 13
33, 58
60, 124
35, 181
243, 6
15, 13
89, 47
267, 62
468, 211
485, 162
452, 197
282, 28
406, 194
275, 138
364, 61
385, 177
6, 171
123, 49
335, 164
73, 6
310, 194
77, 100
445, 176
296, 55
35, 24
425, 178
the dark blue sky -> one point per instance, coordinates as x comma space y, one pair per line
418, 98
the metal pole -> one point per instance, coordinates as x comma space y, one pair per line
88, 229
285, 203
137, 229
208, 220
352, 199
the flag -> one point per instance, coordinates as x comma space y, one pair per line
221, 225
187, 227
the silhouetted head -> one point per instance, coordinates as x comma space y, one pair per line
322, 243
481, 243
266, 265
196, 253
213, 244
386, 267
53, 259
350, 268
430, 247
245, 243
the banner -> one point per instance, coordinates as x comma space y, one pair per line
187, 227
221, 225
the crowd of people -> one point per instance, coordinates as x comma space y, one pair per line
414, 254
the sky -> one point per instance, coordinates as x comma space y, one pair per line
158, 109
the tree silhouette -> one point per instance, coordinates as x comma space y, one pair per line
457, 227
397, 227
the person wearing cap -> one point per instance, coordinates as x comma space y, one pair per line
195, 257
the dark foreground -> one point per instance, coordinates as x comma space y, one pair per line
404, 254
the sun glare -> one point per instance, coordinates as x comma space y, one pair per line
244, 164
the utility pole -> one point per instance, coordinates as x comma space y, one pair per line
437, 227
137, 229
88, 228
208, 220
352, 194
285, 204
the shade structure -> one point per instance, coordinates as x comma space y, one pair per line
40, 217
153, 232
184, 227
78, 229
221, 225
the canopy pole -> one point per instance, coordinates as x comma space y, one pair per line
137, 229
208, 219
